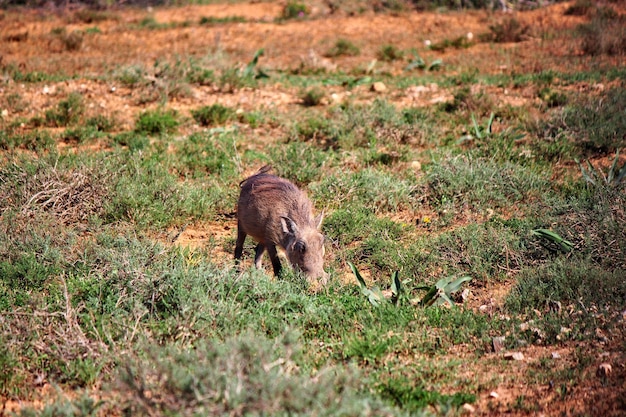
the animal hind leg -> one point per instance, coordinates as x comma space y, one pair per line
241, 237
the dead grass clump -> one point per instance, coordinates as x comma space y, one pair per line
70, 196
604, 34
508, 30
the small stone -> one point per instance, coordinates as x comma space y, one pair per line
498, 343
604, 370
416, 165
493, 394
469, 408
555, 355
5, 112
379, 87
427, 43
514, 356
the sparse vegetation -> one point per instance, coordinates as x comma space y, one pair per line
469, 213
343, 47
390, 53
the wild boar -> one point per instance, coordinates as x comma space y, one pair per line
277, 214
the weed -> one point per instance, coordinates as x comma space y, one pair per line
213, 115
36, 140
390, 53
343, 47
461, 42
232, 79
597, 124
613, 178
101, 123
403, 393
132, 140
294, 10
131, 76
373, 189
205, 154
605, 34
463, 181
300, 162
159, 121
67, 112
312, 96
509, 30
212, 20
80, 134
552, 98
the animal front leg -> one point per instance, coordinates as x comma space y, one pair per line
271, 249
258, 254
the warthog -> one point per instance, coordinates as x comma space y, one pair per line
277, 214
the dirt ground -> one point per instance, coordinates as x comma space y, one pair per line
28, 43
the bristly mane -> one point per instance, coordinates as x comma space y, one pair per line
263, 170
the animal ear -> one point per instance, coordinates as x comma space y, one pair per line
288, 225
299, 246
318, 220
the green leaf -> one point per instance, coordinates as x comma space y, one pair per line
249, 70
396, 287
563, 244
435, 65
456, 284
358, 276
375, 296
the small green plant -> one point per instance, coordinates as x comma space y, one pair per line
312, 96
343, 47
509, 30
479, 132
614, 176
462, 42
554, 238
375, 295
295, 10
156, 122
100, 123
442, 291
213, 115
390, 53
552, 98
149, 22
212, 20
418, 63
234, 78
67, 112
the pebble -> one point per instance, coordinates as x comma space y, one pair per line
379, 87
514, 356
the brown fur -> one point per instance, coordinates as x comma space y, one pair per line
277, 214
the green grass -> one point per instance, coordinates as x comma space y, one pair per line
96, 299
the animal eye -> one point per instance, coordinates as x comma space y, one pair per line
300, 247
